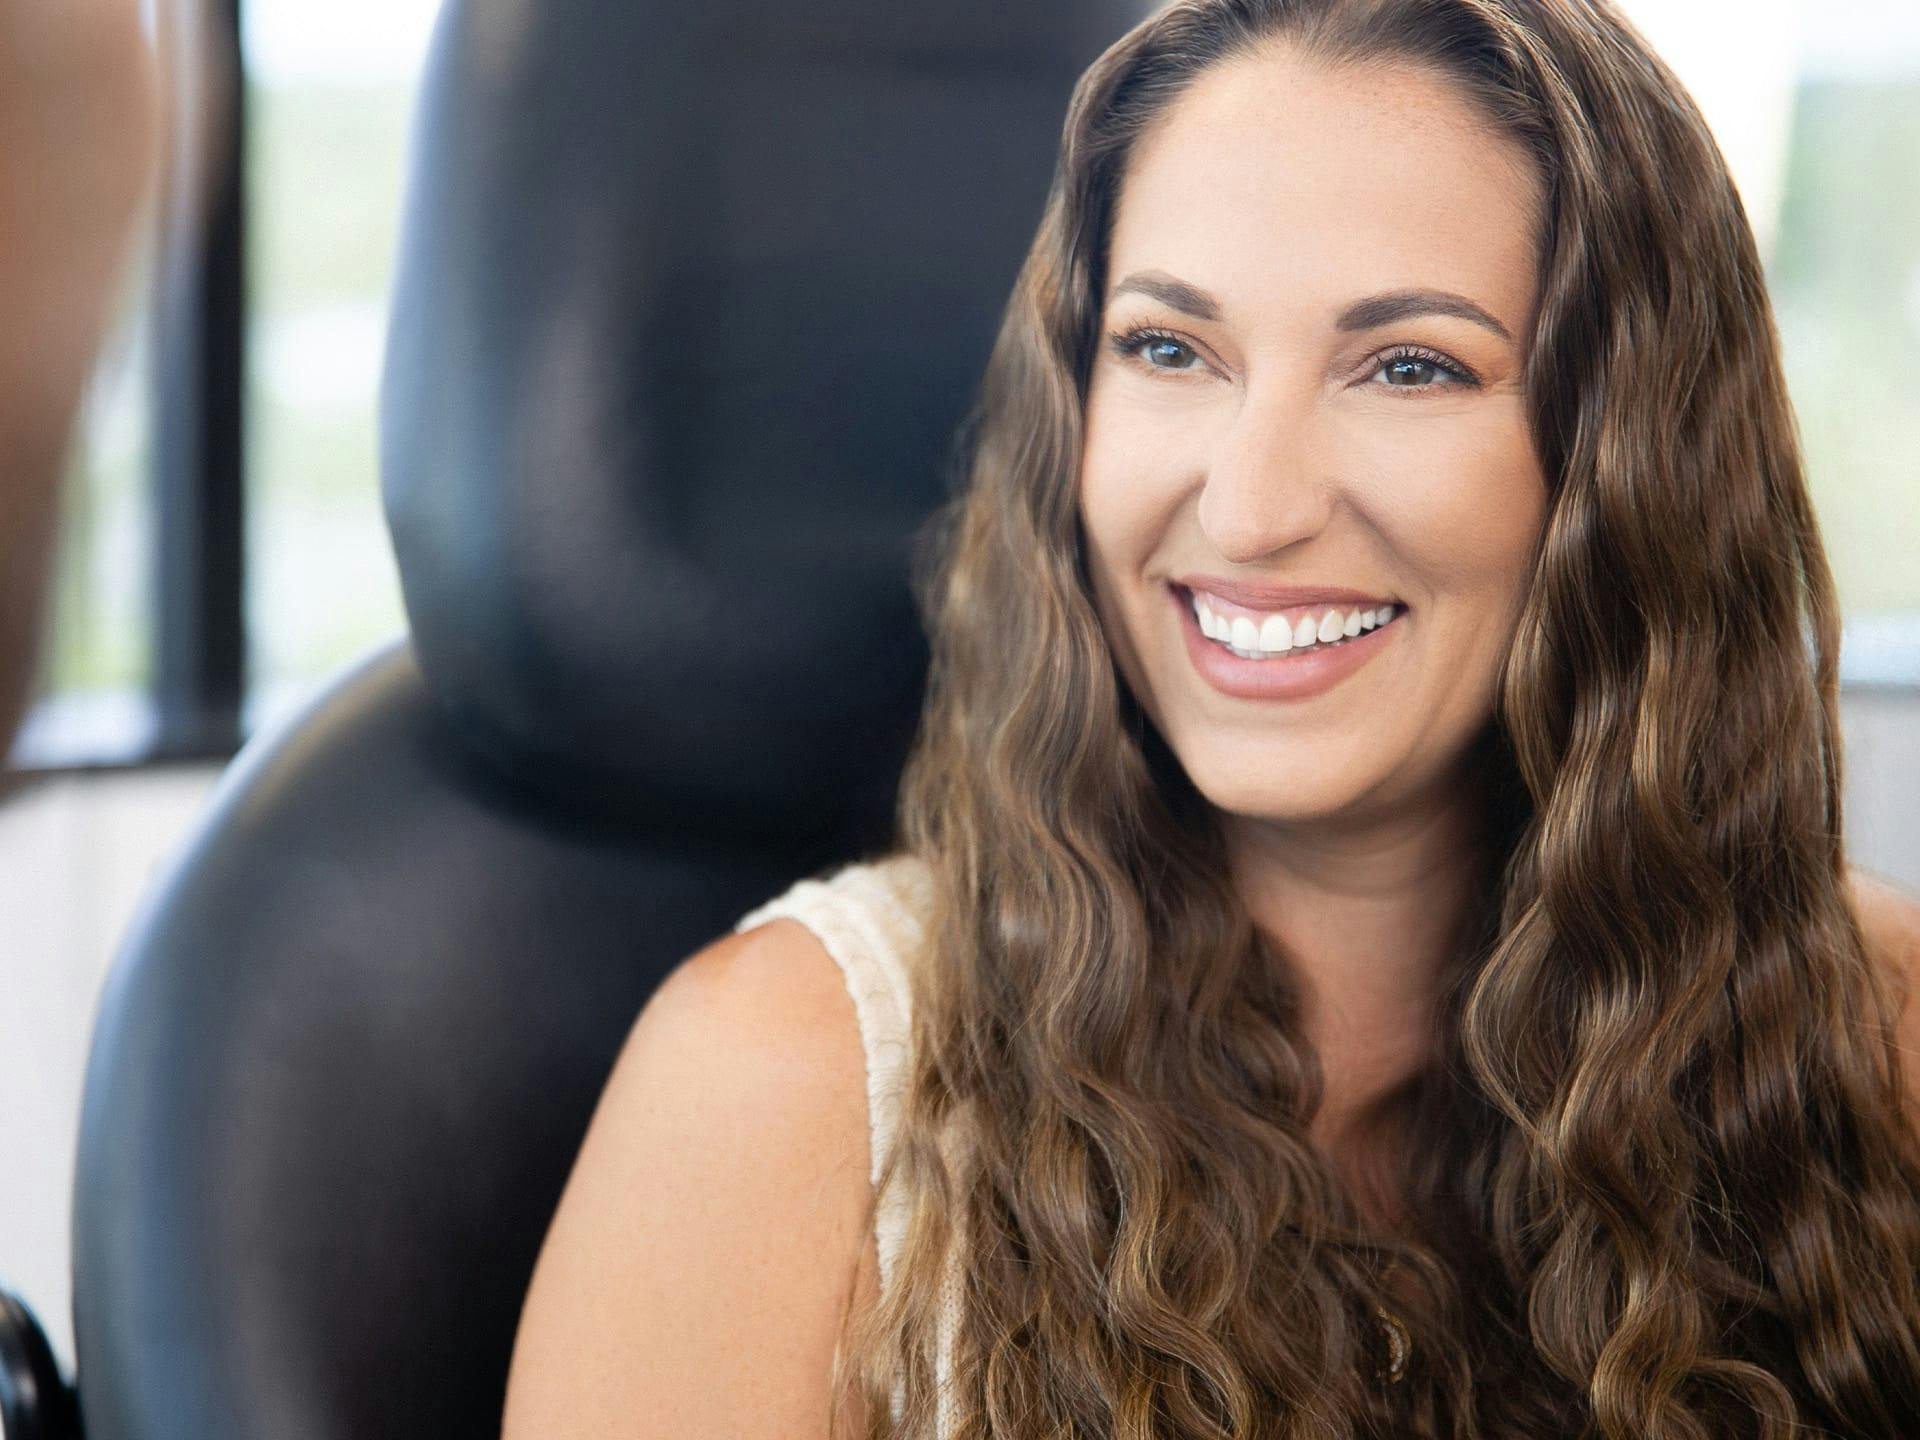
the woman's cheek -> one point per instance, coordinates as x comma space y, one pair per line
1463, 508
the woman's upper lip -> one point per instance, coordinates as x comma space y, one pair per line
1275, 597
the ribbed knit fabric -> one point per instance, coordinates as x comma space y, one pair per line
870, 917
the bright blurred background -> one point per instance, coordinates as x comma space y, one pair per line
1816, 106
329, 91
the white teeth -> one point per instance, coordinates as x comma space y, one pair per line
1274, 635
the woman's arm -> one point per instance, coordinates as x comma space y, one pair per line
695, 1274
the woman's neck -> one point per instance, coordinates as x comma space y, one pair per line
1369, 922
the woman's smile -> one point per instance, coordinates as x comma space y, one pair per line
1291, 654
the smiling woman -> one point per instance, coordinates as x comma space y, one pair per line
1311, 378
1371, 952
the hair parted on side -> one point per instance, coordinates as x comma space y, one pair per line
1664, 1180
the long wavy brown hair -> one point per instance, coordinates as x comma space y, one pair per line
1661, 1176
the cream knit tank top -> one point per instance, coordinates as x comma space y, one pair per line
870, 917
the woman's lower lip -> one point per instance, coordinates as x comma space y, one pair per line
1285, 677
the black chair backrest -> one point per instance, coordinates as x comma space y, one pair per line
692, 298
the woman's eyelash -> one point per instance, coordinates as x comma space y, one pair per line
1461, 375
1127, 343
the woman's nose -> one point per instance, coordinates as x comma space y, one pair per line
1268, 480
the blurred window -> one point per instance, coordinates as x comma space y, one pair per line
1845, 277
331, 90
96, 661
329, 93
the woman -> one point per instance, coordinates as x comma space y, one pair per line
1370, 951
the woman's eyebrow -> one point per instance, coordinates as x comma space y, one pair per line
1363, 314
1158, 285
1391, 305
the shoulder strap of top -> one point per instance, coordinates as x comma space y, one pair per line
870, 917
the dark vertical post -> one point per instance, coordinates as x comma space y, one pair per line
199, 357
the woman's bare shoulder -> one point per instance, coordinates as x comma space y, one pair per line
1889, 916
695, 1274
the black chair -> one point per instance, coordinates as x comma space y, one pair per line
36, 1400
692, 299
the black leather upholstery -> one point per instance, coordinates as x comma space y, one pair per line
36, 1402
652, 448
692, 298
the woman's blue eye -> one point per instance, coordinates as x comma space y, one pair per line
1159, 351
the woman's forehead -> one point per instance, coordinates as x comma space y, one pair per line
1272, 179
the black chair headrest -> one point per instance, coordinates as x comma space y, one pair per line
691, 302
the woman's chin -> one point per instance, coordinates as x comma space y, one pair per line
1285, 799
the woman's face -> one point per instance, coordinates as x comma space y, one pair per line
1319, 292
